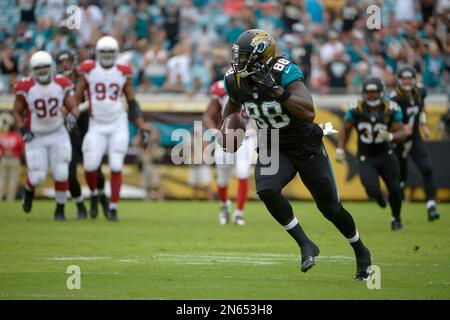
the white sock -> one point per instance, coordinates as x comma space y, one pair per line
431, 203
291, 224
94, 193
355, 238
238, 212
60, 197
79, 199
113, 205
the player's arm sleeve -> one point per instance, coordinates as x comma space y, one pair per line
397, 115
229, 93
349, 116
134, 110
290, 74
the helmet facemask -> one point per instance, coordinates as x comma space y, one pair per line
107, 57
43, 73
243, 60
372, 95
407, 81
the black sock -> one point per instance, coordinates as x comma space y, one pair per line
358, 247
60, 206
298, 234
395, 201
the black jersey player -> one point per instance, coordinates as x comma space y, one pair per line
378, 123
410, 95
65, 62
271, 90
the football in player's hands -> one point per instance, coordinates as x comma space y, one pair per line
232, 132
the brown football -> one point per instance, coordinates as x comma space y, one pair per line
232, 132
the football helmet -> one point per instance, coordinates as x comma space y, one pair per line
106, 50
251, 46
372, 91
406, 77
41, 66
65, 68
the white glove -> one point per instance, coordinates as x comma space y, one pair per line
386, 135
340, 155
327, 129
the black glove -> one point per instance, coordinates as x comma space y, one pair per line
145, 138
27, 135
263, 77
70, 122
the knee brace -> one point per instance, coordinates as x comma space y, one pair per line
277, 205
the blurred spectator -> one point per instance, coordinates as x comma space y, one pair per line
328, 50
8, 68
338, 71
11, 150
434, 66
309, 32
155, 60
178, 67
171, 16
27, 10
151, 177
357, 76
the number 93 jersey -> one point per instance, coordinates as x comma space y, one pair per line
44, 103
369, 122
302, 138
105, 89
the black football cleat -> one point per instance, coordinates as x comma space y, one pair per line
363, 263
59, 213
93, 212
27, 200
112, 215
433, 214
104, 202
309, 253
396, 225
81, 211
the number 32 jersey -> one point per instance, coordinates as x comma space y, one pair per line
369, 122
105, 89
44, 103
296, 137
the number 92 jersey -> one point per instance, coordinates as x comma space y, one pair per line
368, 123
301, 138
105, 89
44, 103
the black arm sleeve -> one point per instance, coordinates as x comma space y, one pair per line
134, 110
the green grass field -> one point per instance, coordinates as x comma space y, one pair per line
177, 250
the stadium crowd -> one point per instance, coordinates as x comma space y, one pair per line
184, 46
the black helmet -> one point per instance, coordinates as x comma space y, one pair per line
63, 55
372, 84
252, 45
406, 71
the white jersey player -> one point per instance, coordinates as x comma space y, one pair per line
241, 160
105, 83
39, 107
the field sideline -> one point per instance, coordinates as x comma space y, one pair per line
177, 250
